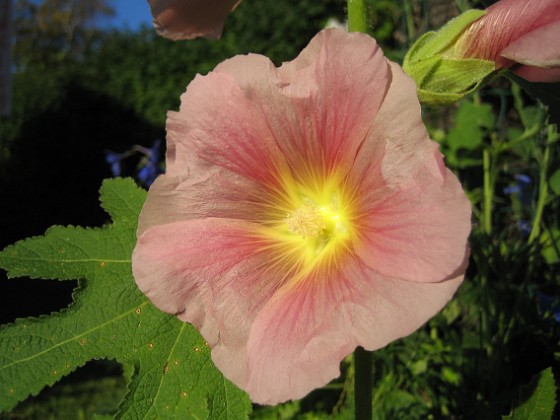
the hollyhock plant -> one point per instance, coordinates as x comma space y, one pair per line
518, 34
304, 212
188, 19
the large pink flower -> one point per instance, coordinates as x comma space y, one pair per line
188, 19
520, 33
304, 212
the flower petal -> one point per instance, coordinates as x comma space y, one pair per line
212, 193
211, 274
539, 48
535, 74
419, 233
218, 124
414, 218
384, 309
188, 19
505, 22
301, 335
320, 105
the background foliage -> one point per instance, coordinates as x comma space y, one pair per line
111, 90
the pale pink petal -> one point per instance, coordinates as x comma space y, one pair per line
418, 233
188, 19
384, 309
212, 193
505, 22
413, 217
535, 74
398, 144
539, 48
210, 273
219, 124
301, 335
319, 106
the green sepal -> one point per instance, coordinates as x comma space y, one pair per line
432, 43
443, 81
442, 78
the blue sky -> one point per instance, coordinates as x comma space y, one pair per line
129, 14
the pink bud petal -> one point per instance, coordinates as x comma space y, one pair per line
504, 23
535, 74
539, 48
188, 19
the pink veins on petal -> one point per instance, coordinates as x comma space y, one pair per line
304, 212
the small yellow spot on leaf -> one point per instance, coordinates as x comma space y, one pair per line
138, 311
150, 345
184, 394
83, 341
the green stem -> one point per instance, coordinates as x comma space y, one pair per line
488, 190
409, 17
357, 16
543, 186
363, 381
363, 384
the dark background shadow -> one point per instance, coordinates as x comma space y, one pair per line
55, 169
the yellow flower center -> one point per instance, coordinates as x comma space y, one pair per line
318, 228
307, 221
308, 226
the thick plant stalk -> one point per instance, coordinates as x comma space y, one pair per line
363, 381
357, 16
363, 384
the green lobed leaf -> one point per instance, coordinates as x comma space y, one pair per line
537, 399
110, 318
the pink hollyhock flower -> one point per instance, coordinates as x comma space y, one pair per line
188, 19
304, 212
522, 34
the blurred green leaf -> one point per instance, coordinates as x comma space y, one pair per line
550, 245
419, 367
467, 132
554, 182
451, 376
